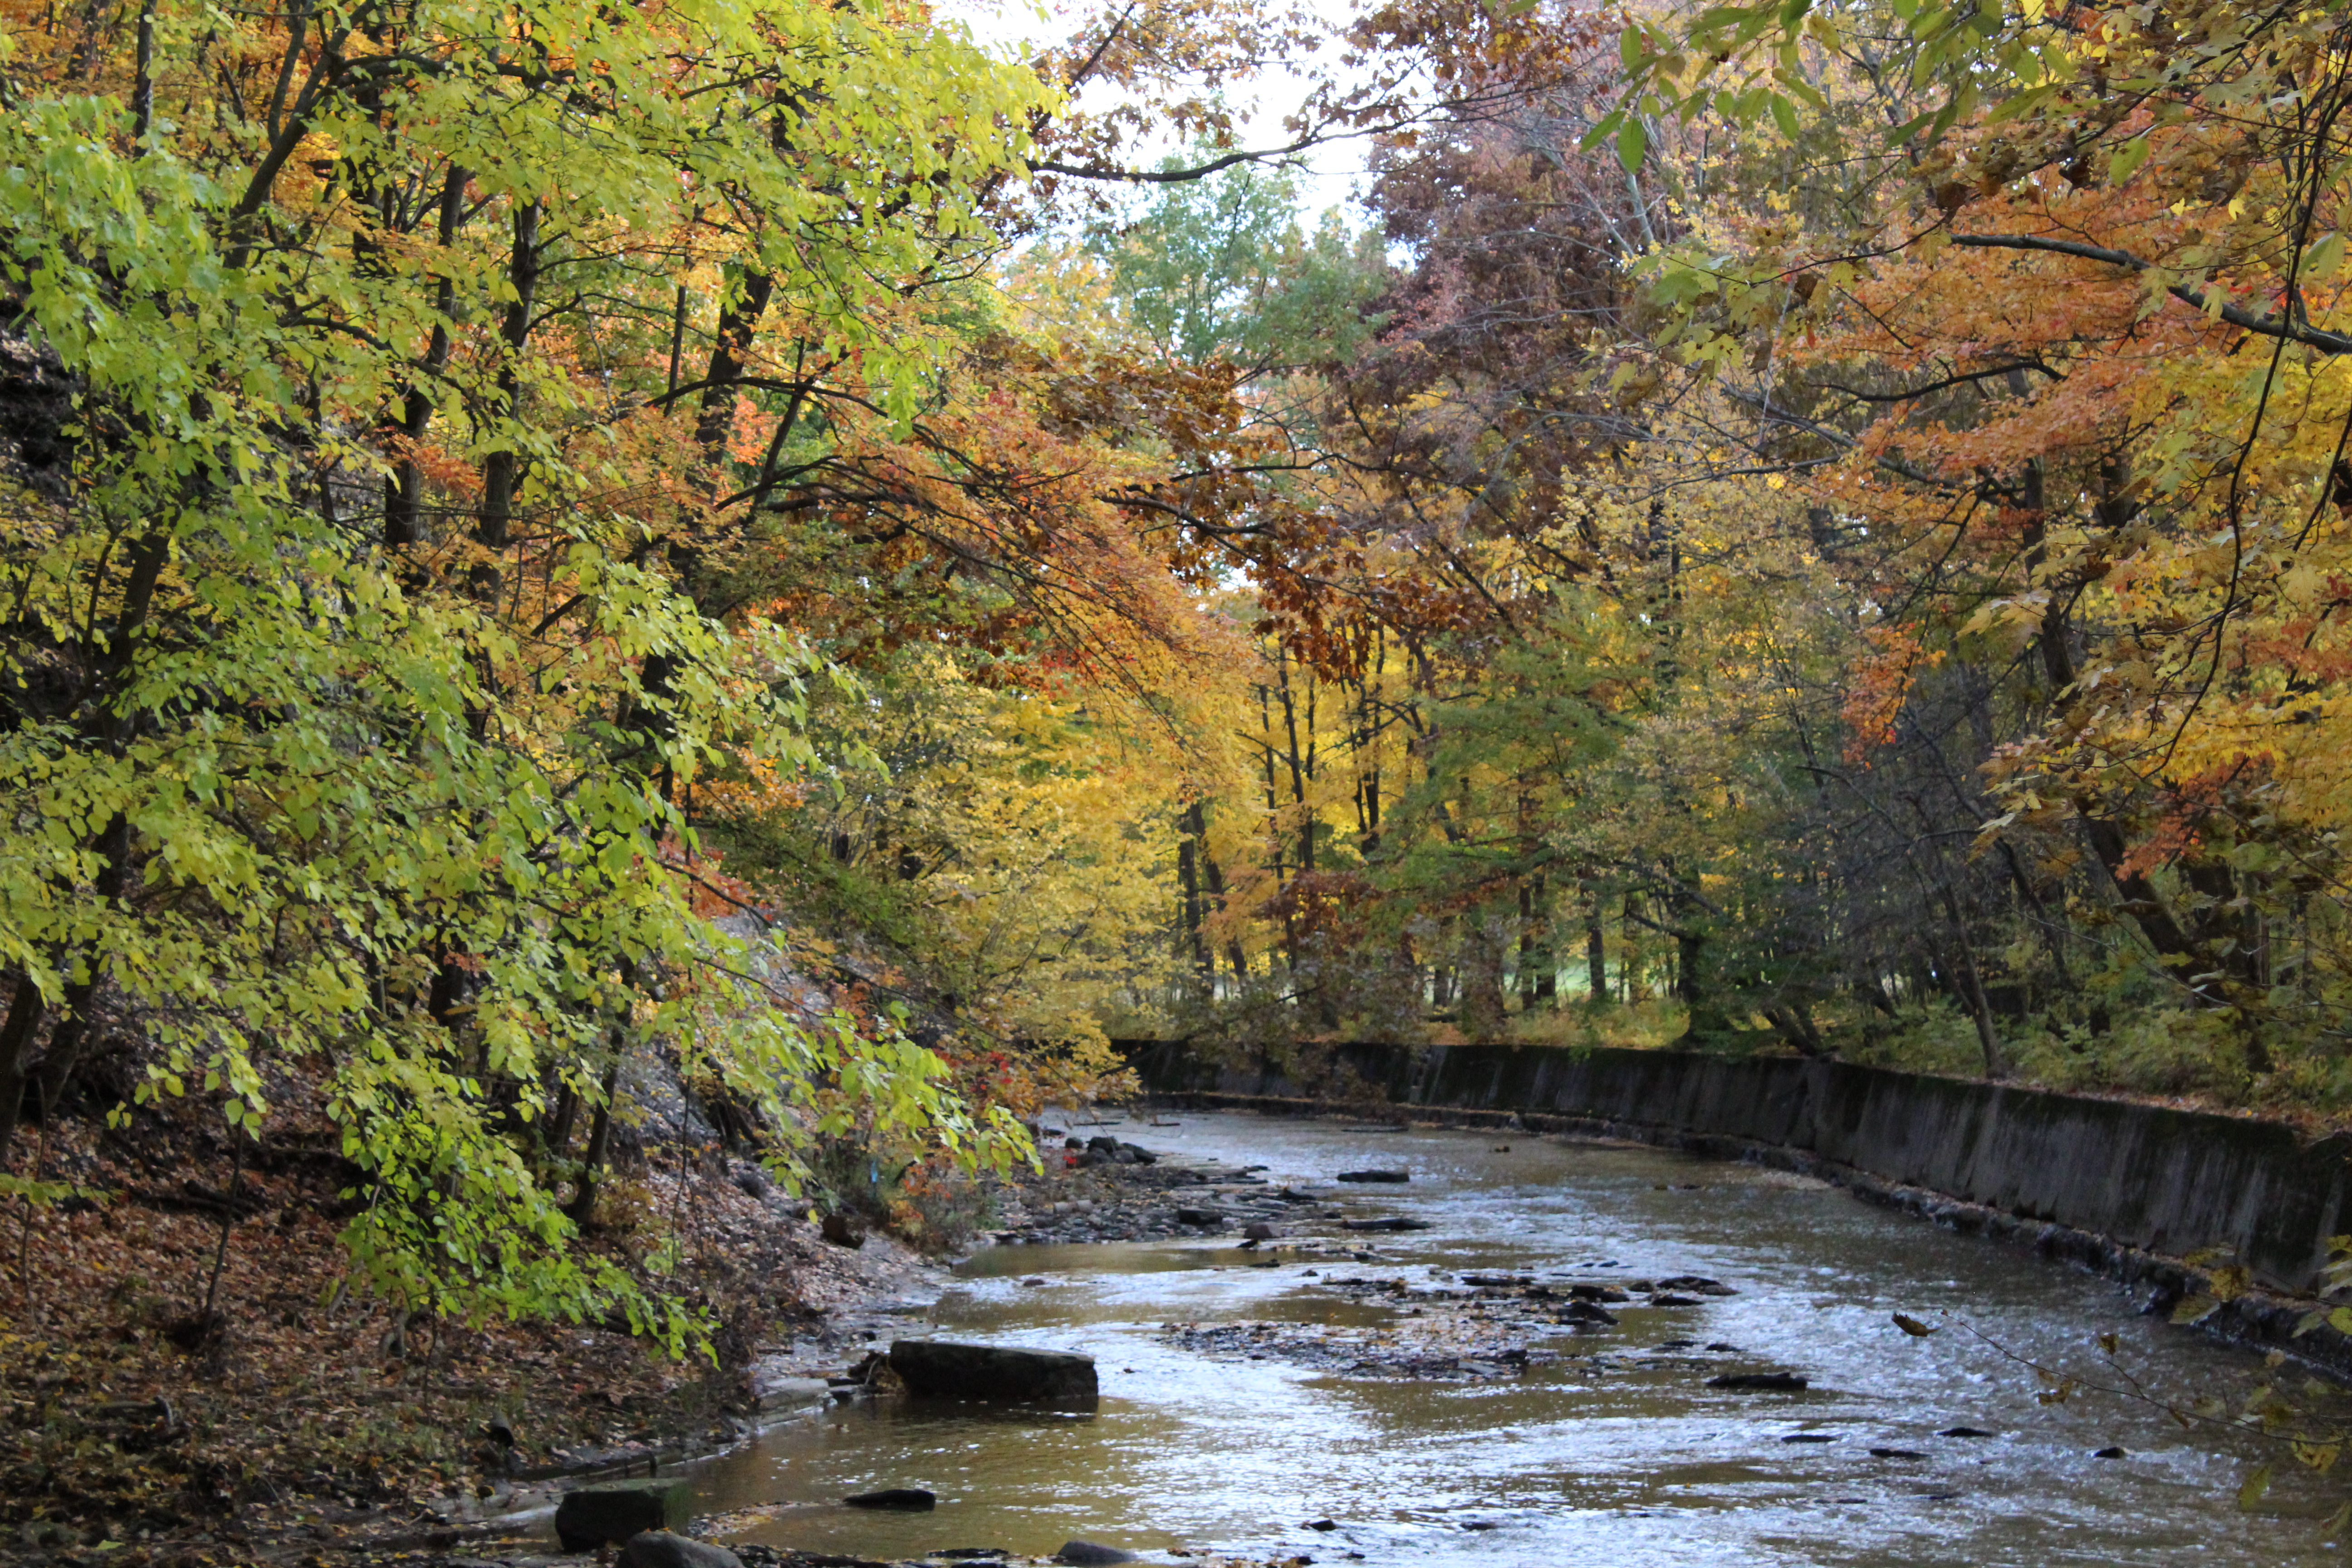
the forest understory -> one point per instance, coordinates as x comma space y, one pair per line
190, 1378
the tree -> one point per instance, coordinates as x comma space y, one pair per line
369, 620
2017, 356
1224, 268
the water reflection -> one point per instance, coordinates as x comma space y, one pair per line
1617, 1452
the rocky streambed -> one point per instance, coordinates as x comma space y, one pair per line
1522, 1350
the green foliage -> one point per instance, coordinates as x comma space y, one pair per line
402, 815
1224, 268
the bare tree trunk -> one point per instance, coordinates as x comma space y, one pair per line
1596, 953
1298, 762
1631, 983
1188, 849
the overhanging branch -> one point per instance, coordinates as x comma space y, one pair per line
2286, 327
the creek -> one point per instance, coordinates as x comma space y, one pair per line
1607, 1444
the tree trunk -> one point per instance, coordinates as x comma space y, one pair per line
1630, 982
1298, 763
26, 1008
600, 1137
1483, 1008
1701, 1014
1191, 846
403, 487
1596, 955
1967, 986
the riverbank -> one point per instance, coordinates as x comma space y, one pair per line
1119, 1191
192, 1376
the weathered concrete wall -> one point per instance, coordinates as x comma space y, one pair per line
2147, 1178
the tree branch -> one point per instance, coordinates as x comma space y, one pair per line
2291, 331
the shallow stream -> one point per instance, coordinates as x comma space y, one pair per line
1608, 1447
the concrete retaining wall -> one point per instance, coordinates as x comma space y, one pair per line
2147, 1179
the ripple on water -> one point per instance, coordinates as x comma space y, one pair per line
1605, 1445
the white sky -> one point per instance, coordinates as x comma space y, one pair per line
1332, 171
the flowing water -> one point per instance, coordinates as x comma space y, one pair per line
1614, 1453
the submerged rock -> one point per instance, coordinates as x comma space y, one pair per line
790, 1393
1375, 1176
897, 1500
1759, 1381
1599, 1294
943, 1369
1082, 1553
660, 1549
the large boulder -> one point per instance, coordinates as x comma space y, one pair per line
616, 1510
1091, 1554
660, 1549
943, 1369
